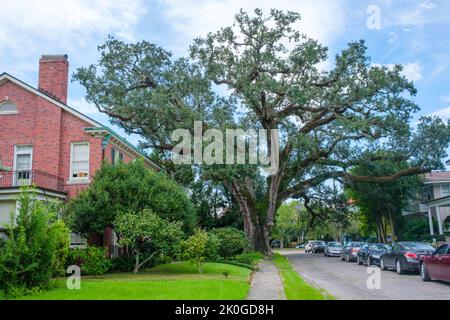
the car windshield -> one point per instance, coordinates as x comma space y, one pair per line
417, 246
334, 244
377, 247
357, 244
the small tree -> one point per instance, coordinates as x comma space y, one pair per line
199, 247
146, 232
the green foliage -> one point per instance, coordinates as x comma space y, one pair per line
231, 241
251, 258
381, 204
36, 248
148, 234
289, 222
92, 260
200, 247
121, 188
122, 264
348, 113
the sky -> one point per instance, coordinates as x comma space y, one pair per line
414, 33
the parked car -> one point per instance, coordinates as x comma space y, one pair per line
405, 256
436, 266
276, 244
370, 253
318, 246
333, 249
300, 246
350, 251
308, 246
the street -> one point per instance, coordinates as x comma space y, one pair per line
348, 281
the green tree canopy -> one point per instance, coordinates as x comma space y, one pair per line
329, 120
382, 204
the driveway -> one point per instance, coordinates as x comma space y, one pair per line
348, 281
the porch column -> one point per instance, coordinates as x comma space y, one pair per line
430, 220
438, 214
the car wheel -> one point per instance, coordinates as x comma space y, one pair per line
424, 272
382, 265
399, 267
358, 261
368, 263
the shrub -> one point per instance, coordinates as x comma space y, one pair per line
122, 264
91, 260
251, 258
200, 247
36, 248
231, 241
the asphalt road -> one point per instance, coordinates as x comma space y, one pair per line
348, 281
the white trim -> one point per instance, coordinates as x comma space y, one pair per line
80, 180
8, 112
30, 152
76, 113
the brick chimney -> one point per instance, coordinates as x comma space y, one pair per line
54, 75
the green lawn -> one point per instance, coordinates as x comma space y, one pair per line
295, 287
174, 281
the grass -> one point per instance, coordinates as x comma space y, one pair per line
175, 281
295, 287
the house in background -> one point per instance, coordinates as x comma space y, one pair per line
46, 143
433, 201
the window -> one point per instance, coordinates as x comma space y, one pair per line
8, 107
116, 156
22, 165
445, 190
79, 163
427, 194
442, 249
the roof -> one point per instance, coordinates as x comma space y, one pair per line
437, 177
97, 126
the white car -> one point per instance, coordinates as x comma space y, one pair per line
309, 246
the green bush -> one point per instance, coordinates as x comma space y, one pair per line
91, 260
231, 241
251, 258
200, 247
36, 248
122, 264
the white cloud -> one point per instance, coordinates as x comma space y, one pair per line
321, 20
446, 98
31, 28
412, 71
444, 114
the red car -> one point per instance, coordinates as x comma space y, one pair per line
436, 266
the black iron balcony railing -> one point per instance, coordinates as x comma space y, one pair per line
9, 179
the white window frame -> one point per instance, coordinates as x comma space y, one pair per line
8, 112
16, 153
79, 179
447, 193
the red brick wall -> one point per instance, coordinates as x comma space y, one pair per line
50, 130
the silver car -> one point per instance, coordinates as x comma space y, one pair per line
333, 249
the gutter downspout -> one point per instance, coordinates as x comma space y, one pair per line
105, 144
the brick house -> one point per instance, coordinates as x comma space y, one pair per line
46, 143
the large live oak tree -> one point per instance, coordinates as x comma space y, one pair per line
273, 76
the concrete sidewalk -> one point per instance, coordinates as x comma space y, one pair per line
266, 284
